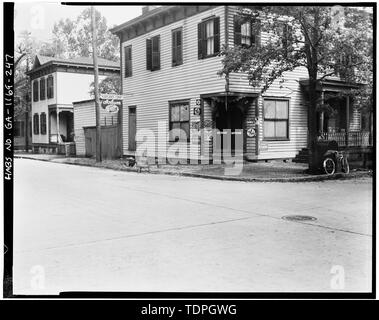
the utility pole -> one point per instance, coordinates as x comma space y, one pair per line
96, 74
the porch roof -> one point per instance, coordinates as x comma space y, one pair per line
334, 85
61, 107
229, 94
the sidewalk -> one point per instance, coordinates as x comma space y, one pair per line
271, 171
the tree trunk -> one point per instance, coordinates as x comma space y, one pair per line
312, 129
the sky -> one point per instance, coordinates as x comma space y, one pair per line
39, 17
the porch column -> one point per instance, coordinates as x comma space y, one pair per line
322, 114
58, 135
347, 119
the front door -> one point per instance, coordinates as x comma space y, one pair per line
132, 128
232, 119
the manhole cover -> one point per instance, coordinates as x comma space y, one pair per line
299, 218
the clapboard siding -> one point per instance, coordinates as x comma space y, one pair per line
85, 116
151, 91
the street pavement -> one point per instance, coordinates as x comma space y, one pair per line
92, 229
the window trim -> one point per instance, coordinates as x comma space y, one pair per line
287, 138
176, 63
170, 104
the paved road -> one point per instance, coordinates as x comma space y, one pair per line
81, 228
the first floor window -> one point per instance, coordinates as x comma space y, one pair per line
275, 126
179, 121
43, 123
19, 129
36, 123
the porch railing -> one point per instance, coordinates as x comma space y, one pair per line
349, 139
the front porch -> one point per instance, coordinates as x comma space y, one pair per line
61, 129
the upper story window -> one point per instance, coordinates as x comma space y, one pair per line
244, 34
43, 123
275, 125
50, 87
177, 47
209, 38
153, 59
128, 61
36, 123
35, 91
286, 37
42, 89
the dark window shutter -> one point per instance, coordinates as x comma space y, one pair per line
201, 40
128, 61
148, 54
237, 31
216, 27
173, 46
179, 47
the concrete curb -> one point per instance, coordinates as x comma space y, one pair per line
310, 178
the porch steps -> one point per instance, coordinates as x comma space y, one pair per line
302, 156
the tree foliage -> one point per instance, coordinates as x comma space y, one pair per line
73, 38
109, 85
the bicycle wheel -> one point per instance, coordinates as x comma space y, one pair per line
329, 166
345, 165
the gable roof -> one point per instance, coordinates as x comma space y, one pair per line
41, 62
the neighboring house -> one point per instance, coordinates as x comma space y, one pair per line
55, 84
169, 64
23, 120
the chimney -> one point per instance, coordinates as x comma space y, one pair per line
146, 9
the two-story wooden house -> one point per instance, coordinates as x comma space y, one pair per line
56, 83
170, 60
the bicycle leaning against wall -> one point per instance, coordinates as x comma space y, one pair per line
335, 160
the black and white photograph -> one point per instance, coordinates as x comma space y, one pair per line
204, 148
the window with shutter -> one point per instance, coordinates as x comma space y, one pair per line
177, 51
153, 60
244, 34
286, 36
36, 123
209, 38
50, 87
43, 123
128, 61
35, 91
42, 89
